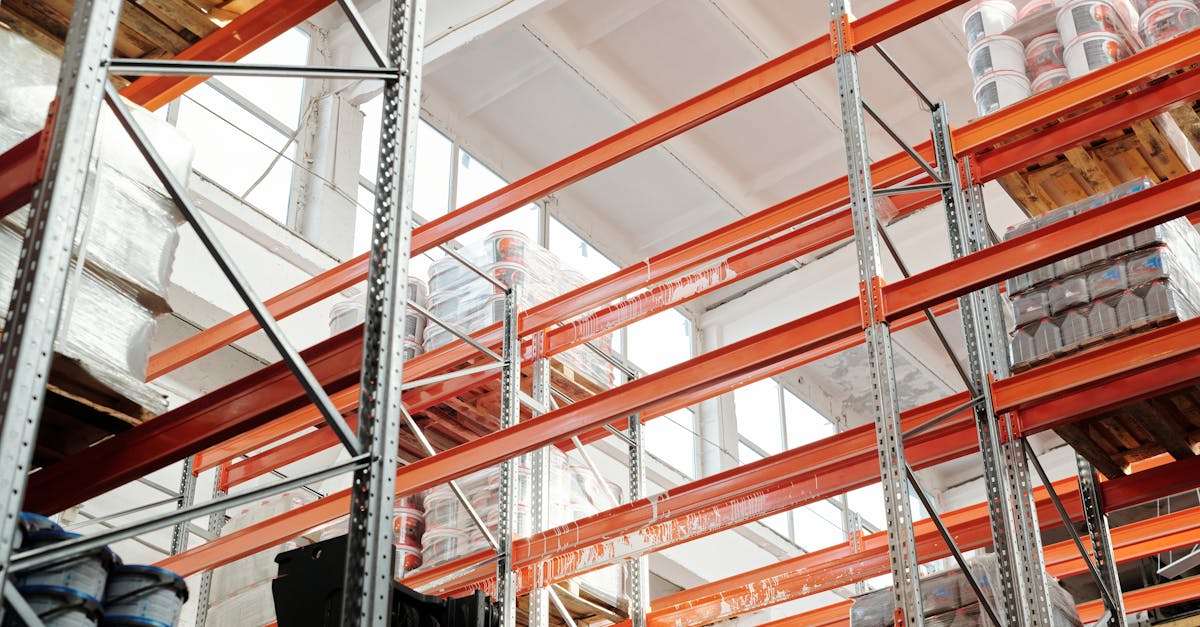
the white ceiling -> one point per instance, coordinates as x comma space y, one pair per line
569, 73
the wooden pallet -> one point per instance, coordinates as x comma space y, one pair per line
476, 412
149, 29
79, 413
1113, 440
586, 606
1149, 148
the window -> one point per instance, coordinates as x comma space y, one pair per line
757, 411
577, 254
218, 128
672, 439
242, 128
660, 341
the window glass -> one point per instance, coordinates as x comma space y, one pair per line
279, 97
219, 128
757, 411
660, 341
780, 523
577, 254
431, 190
868, 502
475, 180
671, 438
368, 157
817, 527
747, 454
804, 424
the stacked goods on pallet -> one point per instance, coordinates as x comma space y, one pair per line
93, 587
573, 492
240, 593
350, 313
948, 600
408, 525
460, 297
1014, 54
1144, 280
124, 247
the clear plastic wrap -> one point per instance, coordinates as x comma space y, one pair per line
131, 239
463, 299
949, 600
103, 328
30, 65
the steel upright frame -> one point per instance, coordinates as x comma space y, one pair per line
43, 269
889, 437
1046, 396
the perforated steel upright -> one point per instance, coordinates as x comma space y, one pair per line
370, 556
539, 600
510, 413
892, 465
35, 309
1024, 596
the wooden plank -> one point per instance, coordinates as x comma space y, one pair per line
1162, 419
181, 15
1024, 195
1187, 120
30, 30
1090, 170
147, 26
1157, 151
1085, 446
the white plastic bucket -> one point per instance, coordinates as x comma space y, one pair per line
996, 53
411, 348
1033, 7
408, 559
988, 17
1167, 19
345, 315
1081, 17
442, 545
86, 573
506, 246
144, 592
1050, 80
61, 607
1001, 89
418, 291
1043, 54
1093, 51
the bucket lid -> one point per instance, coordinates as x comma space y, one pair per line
1050, 75
344, 306
1096, 35
408, 511
404, 548
507, 264
507, 233
444, 532
1042, 40
85, 601
133, 621
1000, 5
34, 522
164, 577
996, 39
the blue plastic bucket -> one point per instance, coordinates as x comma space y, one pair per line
86, 573
60, 607
143, 595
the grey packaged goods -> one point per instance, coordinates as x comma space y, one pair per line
948, 600
1147, 279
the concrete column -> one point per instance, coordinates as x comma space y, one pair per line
324, 206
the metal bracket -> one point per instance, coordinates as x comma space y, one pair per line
841, 35
870, 300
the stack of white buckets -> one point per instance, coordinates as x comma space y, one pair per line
1084, 36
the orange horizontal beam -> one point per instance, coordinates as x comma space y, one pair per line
891, 171
1165, 347
1146, 599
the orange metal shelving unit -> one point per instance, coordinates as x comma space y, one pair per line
267, 406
